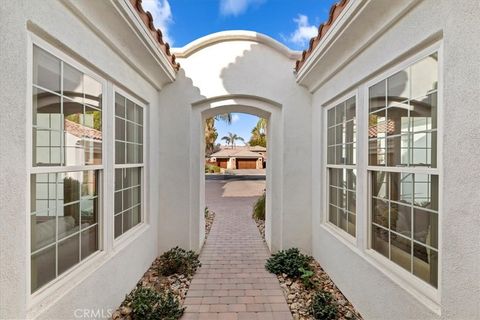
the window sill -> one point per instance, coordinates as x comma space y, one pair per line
44, 298
341, 235
421, 291
125, 239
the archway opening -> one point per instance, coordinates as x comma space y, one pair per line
233, 182
235, 171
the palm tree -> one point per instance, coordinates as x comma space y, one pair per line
227, 140
231, 138
211, 132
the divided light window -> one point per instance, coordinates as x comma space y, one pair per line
403, 168
129, 131
341, 165
66, 167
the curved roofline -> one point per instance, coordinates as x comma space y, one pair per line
234, 35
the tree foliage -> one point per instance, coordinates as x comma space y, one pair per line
259, 134
211, 133
232, 138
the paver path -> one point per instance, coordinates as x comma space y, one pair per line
232, 282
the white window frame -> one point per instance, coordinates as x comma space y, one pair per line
70, 277
424, 292
325, 168
135, 230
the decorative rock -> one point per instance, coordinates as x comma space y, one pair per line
300, 298
342, 302
125, 310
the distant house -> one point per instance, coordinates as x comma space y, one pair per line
240, 158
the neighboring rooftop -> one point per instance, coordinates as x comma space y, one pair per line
240, 152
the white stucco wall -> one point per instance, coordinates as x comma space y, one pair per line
237, 65
100, 284
365, 50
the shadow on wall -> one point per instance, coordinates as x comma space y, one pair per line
260, 71
174, 156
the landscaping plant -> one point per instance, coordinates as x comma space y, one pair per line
143, 302
306, 277
259, 208
148, 304
323, 307
289, 262
168, 308
178, 261
210, 168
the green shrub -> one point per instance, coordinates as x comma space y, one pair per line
323, 308
289, 262
143, 302
168, 308
259, 208
306, 277
179, 261
210, 168
148, 304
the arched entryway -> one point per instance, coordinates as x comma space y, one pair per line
258, 106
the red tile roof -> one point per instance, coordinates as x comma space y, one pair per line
375, 129
335, 11
147, 18
81, 131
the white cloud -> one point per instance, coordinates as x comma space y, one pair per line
236, 7
304, 31
235, 118
162, 16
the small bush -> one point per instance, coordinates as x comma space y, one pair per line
168, 308
259, 208
179, 261
143, 302
289, 262
306, 277
210, 168
322, 307
148, 304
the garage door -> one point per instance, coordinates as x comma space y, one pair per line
222, 163
246, 163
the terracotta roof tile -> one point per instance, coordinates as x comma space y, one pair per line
375, 129
335, 11
81, 131
147, 18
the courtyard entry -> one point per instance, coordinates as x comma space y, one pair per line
235, 183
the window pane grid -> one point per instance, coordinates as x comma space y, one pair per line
66, 166
128, 164
412, 220
62, 227
59, 95
402, 117
404, 195
341, 160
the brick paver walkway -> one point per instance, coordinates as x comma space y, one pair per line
232, 282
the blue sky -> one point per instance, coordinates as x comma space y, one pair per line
291, 22
242, 124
